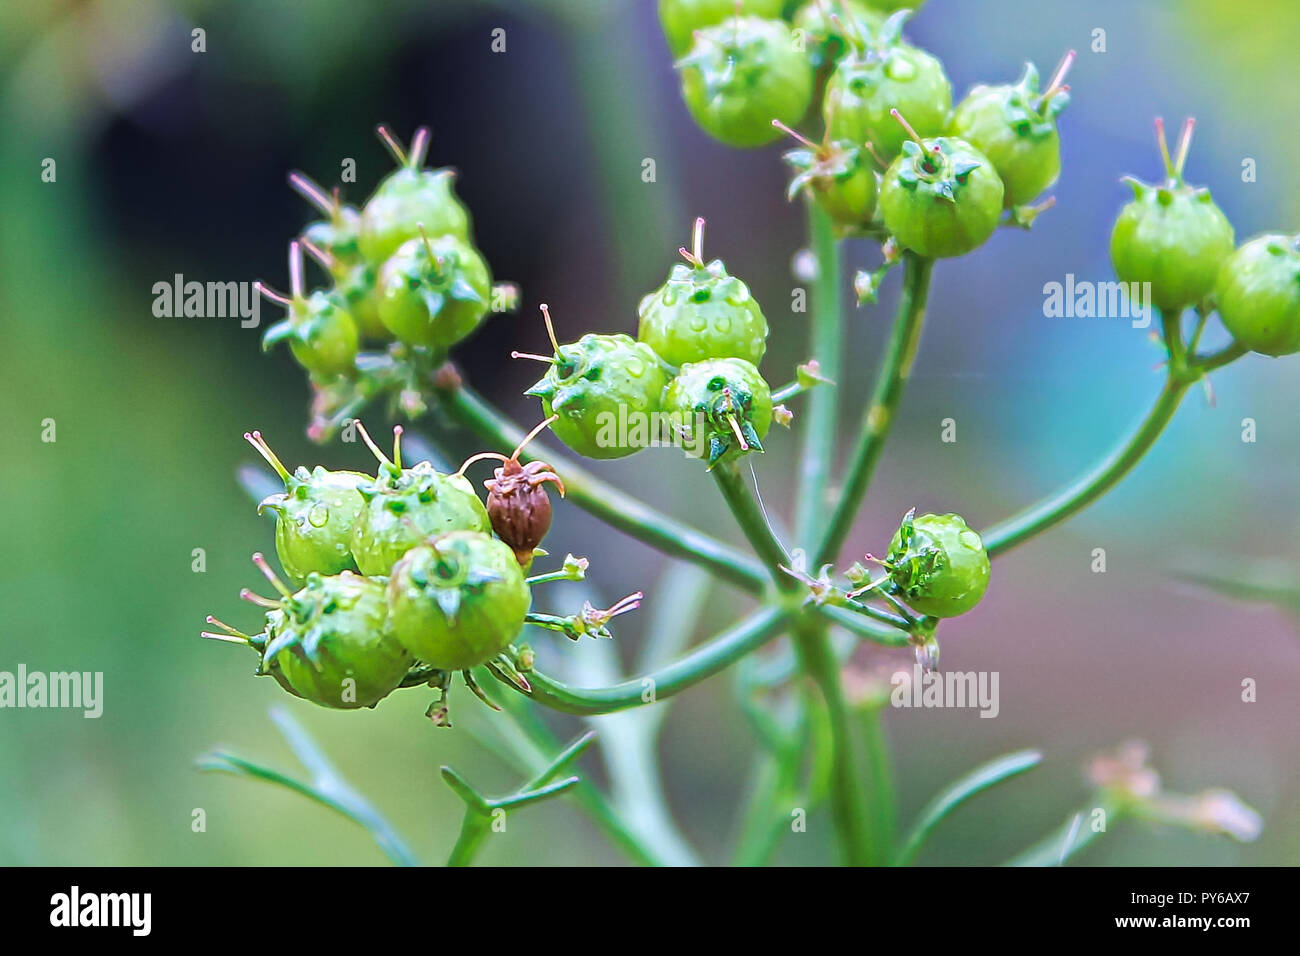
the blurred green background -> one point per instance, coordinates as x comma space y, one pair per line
171, 162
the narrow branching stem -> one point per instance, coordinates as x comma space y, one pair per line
819, 427
1086, 489
614, 507
892, 633
753, 522
878, 419
1185, 369
849, 808
702, 662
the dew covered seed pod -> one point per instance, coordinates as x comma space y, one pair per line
702, 312
603, 391
315, 515
328, 642
1014, 125
1171, 235
941, 197
938, 564
681, 18
742, 73
883, 73
433, 292
720, 407
407, 198
1258, 294
403, 506
321, 333
457, 600
838, 176
517, 503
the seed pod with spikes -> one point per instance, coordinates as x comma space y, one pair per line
328, 642
338, 234
314, 516
702, 312
407, 198
434, 291
517, 503
357, 284
596, 383
938, 564
403, 506
319, 329
722, 408
457, 600
1172, 235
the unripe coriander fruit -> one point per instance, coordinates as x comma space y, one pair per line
315, 515
355, 285
321, 333
1258, 294
884, 75
702, 312
681, 18
403, 506
604, 390
1171, 235
722, 408
1014, 125
938, 564
457, 600
941, 197
408, 198
838, 176
832, 26
434, 292
741, 74
338, 234
328, 642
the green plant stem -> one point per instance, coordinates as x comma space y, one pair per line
819, 427
1185, 369
882, 409
1073, 498
704, 661
614, 507
893, 635
880, 779
753, 522
474, 829
849, 809
540, 741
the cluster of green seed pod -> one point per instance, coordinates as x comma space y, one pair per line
1173, 239
690, 378
895, 157
405, 278
399, 579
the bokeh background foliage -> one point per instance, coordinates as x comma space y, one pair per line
173, 162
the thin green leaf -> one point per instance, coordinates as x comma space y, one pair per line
533, 796
1065, 841
327, 787
474, 800
983, 777
562, 760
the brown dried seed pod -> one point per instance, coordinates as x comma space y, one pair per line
519, 507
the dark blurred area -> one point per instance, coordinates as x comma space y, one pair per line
171, 161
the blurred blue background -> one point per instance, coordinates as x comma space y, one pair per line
174, 162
